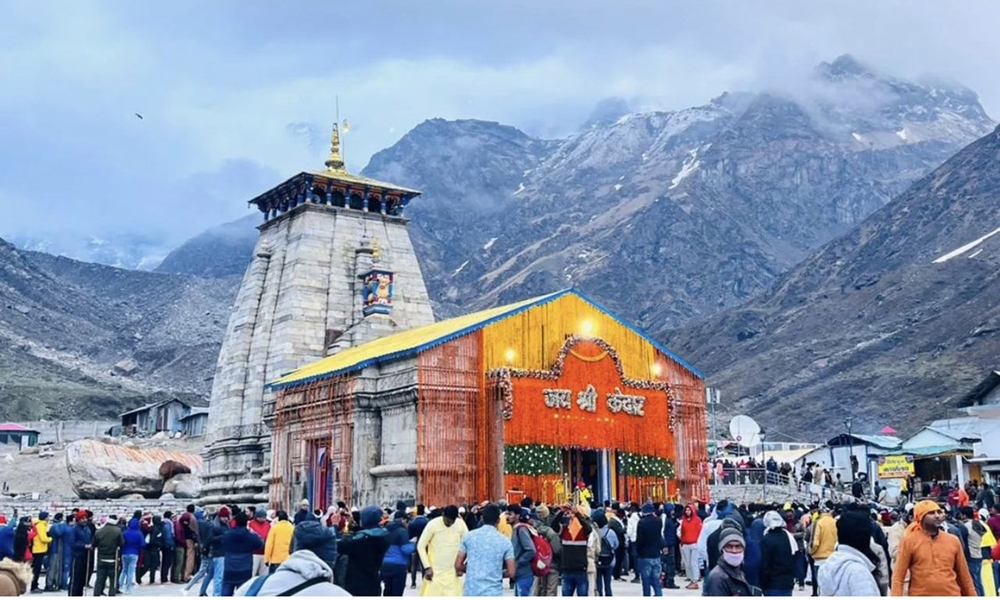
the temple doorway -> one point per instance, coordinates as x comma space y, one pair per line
581, 465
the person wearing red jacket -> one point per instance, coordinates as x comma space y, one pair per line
261, 526
690, 530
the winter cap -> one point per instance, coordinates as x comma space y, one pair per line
542, 511
730, 534
81, 515
43, 514
371, 516
648, 509
599, 518
260, 514
224, 512
854, 529
304, 503
984, 514
310, 535
772, 520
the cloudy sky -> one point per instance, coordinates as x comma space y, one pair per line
236, 95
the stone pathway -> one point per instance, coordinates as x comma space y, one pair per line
619, 588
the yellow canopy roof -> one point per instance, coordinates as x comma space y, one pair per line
412, 341
404, 343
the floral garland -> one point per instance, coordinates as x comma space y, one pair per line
639, 465
503, 376
532, 459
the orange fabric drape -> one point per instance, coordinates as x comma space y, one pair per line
587, 364
449, 392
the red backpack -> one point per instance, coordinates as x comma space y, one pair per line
542, 563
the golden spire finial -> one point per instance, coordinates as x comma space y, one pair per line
335, 162
375, 250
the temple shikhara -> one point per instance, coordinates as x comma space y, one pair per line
335, 382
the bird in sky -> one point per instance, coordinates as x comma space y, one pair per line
138, 115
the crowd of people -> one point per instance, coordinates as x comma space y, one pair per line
721, 549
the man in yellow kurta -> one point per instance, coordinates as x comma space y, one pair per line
438, 547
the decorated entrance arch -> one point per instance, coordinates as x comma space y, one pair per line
585, 420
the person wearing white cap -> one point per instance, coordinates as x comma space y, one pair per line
303, 513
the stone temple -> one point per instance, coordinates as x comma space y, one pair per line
333, 268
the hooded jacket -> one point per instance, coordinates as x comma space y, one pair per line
279, 542
366, 550
7, 539
238, 545
14, 578
40, 545
649, 537
133, 539
847, 572
690, 527
300, 567
400, 547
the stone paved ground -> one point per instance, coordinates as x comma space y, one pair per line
619, 588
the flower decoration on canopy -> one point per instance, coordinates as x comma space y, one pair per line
639, 465
532, 459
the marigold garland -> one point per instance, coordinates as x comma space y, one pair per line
504, 375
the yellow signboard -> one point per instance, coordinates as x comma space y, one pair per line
895, 466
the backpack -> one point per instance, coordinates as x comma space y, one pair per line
978, 527
258, 583
542, 563
606, 557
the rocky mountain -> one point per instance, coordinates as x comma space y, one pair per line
888, 324
222, 251
664, 216
64, 325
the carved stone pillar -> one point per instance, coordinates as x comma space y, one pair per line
367, 453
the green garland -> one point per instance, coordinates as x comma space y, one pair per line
532, 459
640, 465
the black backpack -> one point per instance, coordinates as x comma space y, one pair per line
606, 557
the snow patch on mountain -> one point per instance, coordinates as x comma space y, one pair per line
963, 249
490, 243
690, 166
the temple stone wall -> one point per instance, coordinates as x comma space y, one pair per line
301, 283
101, 508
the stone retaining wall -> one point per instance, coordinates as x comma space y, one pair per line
101, 508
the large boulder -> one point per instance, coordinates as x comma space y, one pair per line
186, 485
98, 470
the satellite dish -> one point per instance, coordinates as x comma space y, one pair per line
745, 431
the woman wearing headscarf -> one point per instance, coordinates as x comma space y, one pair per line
935, 562
727, 578
849, 571
777, 553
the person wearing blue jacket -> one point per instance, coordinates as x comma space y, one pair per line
134, 543
57, 571
238, 546
79, 540
397, 557
7, 539
169, 545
